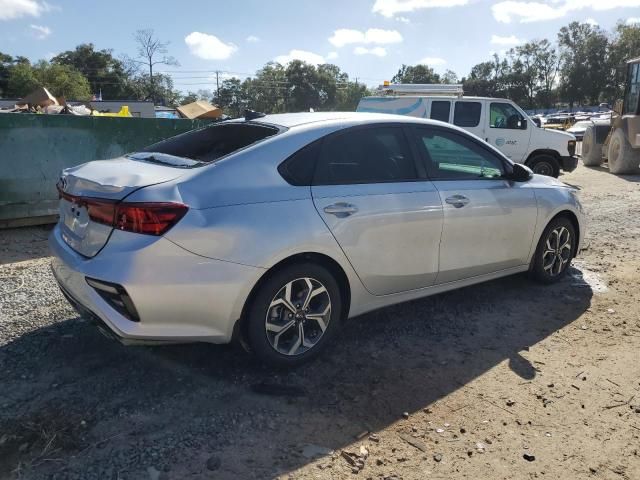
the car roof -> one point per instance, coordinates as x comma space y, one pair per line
439, 97
292, 120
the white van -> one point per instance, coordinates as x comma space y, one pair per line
497, 121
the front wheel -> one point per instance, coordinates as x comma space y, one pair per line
544, 165
555, 251
294, 315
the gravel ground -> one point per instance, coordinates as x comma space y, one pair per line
505, 380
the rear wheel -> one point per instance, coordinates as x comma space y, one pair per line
555, 251
591, 152
622, 158
294, 315
544, 165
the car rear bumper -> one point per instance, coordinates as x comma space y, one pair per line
569, 163
180, 297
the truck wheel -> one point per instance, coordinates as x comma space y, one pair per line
591, 151
544, 165
622, 158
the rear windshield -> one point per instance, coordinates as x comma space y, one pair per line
206, 145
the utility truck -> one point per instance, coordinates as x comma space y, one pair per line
497, 121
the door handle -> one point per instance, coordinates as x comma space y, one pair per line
457, 201
341, 209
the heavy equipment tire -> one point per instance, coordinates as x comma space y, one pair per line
591, 152
622, 158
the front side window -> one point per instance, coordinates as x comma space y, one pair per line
633, 89
450, 155
370, 155
440, 110
467, 114
504, 115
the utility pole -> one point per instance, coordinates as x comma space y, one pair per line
217, 86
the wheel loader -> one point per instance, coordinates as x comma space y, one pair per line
618, 142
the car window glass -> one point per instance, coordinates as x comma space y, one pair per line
467, 114
504, 115
440, 110
298, 168
453, 156
210, 143
370, 155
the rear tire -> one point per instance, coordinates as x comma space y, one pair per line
556, 248
622, 158
544, 164
591, 152
294, 315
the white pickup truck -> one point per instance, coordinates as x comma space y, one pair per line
497, 121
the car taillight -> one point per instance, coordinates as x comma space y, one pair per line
148, 218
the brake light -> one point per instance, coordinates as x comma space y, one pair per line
145, 218
148, 218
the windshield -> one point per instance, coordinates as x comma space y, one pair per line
206, 145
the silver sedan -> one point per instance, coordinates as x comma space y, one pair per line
275, 229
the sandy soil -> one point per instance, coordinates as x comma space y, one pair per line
505, 380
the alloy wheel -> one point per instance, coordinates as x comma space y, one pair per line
557, 251
298, 316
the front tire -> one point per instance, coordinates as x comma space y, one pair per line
622, 158
544, 165
556, 249
294, 315
591, 151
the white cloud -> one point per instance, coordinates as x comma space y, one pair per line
526, 12
346, 36
209, 47
633, 20
332, 55
591, 21
252, 39
432, 61
403, 19
10, 9
377, 51
40, 31
511, 40
309, 57
389, 8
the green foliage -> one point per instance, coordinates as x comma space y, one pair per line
104, 73
416, 74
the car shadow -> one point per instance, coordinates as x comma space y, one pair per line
187, 410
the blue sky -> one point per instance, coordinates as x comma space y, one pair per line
368, 39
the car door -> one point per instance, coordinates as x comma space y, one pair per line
489, 221
508, 130
383, 212
467, 114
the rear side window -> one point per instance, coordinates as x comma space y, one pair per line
440, 110
370, 155
209, 144
298, 168
467, 114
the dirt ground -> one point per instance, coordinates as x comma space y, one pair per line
505, 380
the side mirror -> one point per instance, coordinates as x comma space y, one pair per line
520, 173
537, 121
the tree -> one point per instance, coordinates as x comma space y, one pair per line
450, 77
152, 52
105, 73
60, 80
585, 68
624, 46
232, 97
416, 74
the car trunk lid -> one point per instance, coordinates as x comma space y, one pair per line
90, 192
